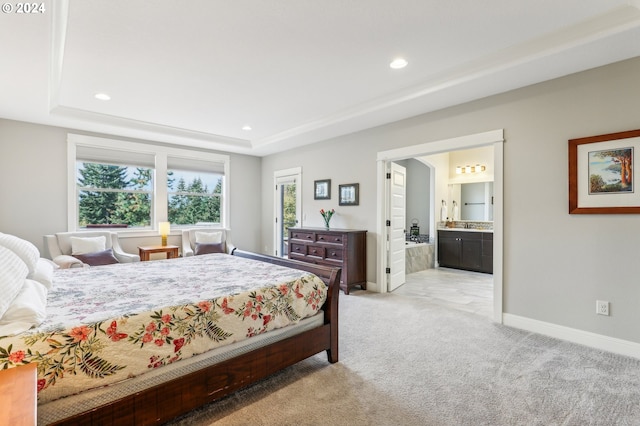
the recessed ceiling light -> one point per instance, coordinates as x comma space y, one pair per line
102, 96
246, 127
398, 63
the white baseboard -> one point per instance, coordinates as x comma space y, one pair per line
374, 287
586, 338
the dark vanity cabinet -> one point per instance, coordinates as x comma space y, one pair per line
468, 250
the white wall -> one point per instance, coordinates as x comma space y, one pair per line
555, 264
33, 188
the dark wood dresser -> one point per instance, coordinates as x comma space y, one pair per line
344, 248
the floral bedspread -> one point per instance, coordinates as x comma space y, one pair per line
108, 323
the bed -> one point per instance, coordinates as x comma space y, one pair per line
190, 355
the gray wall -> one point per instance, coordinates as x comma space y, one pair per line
33, 187
555, 265
418, 193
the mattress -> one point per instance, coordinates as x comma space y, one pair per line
112, 323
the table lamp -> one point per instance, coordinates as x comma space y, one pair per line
165, 229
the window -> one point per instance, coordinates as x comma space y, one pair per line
110, 194
131, 185
194, 191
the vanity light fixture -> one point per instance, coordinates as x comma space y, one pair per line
470, 169
246, 128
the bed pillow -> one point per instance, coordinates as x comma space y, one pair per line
209, 237
23, 248
206, 248
65, 261
27, 310
104, 257
13, 271
44, 272
84, 245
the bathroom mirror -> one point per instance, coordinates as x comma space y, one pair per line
474, 201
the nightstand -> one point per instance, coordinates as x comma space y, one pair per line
18, 387
145, 251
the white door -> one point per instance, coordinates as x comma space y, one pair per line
396, 230
287, 207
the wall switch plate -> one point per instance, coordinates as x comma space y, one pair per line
602, 307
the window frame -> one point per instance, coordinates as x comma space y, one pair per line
159, 207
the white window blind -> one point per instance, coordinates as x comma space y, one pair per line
94, 154
195, 165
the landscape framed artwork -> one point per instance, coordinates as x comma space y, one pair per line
349, 194
601, 174
322, 189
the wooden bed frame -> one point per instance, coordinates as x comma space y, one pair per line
173, 398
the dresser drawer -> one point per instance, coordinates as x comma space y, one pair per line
334, 254
315, 251
300, 249
330, 238
306, 236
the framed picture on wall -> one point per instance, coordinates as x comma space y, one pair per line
322, 189
601, 174
349, 194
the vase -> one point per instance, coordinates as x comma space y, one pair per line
326, 222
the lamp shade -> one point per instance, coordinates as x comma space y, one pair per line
164, 227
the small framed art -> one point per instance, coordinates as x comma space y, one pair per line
349, 194
322, 189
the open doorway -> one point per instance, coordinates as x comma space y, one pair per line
494, 138
466, 286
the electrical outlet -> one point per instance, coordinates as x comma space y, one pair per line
602, 307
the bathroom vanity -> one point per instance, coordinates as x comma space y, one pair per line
469, 249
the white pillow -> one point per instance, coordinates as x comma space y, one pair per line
23, 248
27, 310
44, 272
64, 261
208, 237
85, 245
13, 271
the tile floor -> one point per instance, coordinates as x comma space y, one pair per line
464, 290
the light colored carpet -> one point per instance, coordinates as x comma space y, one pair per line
406, 361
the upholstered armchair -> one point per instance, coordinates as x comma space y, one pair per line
77, 249
206, 240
